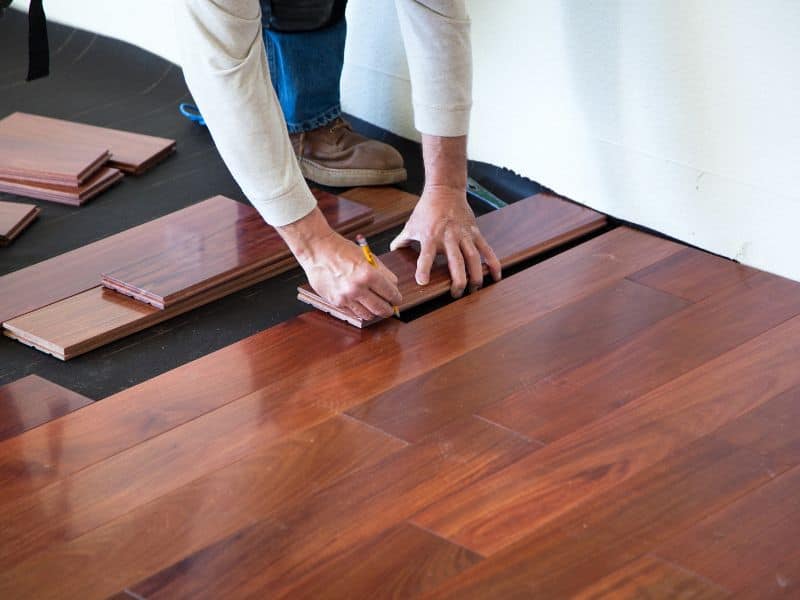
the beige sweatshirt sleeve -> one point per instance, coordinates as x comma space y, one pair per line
225, 67
436, 34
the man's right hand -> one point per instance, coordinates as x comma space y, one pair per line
337, 270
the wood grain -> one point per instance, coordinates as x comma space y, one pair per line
402, 562
14, 218
693, 274
653, 578
503, 508
201, 258
602, 535
130, 152
343, 366
564, 337
556, 406
390, 207
98, 182
516, 232
48, 161
32, 401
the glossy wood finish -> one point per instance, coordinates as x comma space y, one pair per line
99, 181
14, 218
517, 232
391, 207
201, 258
130, 152
237, 475
48, 161
32, 401
548, 345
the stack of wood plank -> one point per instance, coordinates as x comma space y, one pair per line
15, 217
166, 267
68, 162
516, 233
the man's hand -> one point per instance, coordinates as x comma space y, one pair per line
337, 270
443, 222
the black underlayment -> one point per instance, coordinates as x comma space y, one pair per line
102, 81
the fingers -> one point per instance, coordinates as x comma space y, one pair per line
360, 311
387, 272
455, 262
473, 262
401, 241
424, 263
489, 256
384, 288
376, 305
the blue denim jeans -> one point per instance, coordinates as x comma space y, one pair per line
305, 68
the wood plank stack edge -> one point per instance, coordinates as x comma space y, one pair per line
14, 218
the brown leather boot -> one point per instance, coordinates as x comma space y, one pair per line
336, 155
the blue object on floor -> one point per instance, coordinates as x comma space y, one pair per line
191, 112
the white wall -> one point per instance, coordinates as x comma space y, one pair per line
680, 115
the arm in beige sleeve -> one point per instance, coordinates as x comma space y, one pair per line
436, 34
225, 67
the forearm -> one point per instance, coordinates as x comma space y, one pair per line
445, 161
226, 69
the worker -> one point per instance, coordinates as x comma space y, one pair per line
268, 139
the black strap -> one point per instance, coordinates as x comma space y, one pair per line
38, 46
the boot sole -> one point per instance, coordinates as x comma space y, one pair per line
350, 177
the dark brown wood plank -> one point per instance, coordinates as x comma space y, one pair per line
516, 232
516, 360
32, 401
343, 366
391, 207
358, 500
693, 274
567, 401
595, 539
200, 259
402, 562
48, 161
522, 498
653, 578
14, 218
98, 182
130, 152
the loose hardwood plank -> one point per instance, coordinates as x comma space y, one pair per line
651, 577
391, 207
556, 406
28, 402
402, 562
503, 508
243, 432
352, 484
14, 217
48, 161
516, 232
130, 152
98, 182
565, 337
693, 274
79, 270
342, 365
751, 544
597, 538
218, 253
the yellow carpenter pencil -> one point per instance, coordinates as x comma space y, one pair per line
362, 242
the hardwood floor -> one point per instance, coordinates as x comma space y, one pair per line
621, 420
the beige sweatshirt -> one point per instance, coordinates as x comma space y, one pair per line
225, 67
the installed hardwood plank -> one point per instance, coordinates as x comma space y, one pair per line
73, 272
342, 365
218, 253
561, 404
402, 562
597, 538
502, 508
98, 182
15, 217
31, 401
48, 161
652, 578
516, 232
355, 486
130, 152
567, 336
